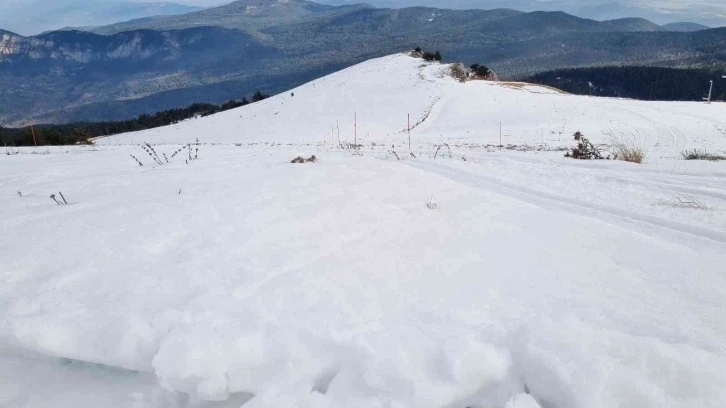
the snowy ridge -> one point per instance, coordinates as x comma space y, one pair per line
382, 92
240, 279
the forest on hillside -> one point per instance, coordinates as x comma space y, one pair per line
75, 133
645, 83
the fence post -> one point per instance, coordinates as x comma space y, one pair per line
409, 131
500, 136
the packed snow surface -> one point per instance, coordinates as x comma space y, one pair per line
462, 275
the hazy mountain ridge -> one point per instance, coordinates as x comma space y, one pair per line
246, 15
34, 16
684, 27
710, 13
275, 45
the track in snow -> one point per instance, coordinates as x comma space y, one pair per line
647, 223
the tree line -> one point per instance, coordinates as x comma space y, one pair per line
74, 133
645, 83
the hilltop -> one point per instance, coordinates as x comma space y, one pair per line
382, 92
142, 66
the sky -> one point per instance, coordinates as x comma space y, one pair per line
441, 3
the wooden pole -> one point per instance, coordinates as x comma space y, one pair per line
32, 130
409, 132
500, 136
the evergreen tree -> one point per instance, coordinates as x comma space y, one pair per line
646, 83
259, 96
79, 132
480, 70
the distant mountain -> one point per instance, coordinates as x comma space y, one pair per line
247, 15
684, 27
632, 25
36, 16
658, 11
221, 53
707, 12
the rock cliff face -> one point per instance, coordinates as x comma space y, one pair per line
9, 43
83, 48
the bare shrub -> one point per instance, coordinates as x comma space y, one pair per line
584, 150
302, 160
460, 72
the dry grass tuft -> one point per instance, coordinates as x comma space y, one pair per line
627, 149
696, 154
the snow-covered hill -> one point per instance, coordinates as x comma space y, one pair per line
471, 277
382, 93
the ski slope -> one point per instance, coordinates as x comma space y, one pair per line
467, 277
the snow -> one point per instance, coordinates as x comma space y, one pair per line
240, 279
381, 93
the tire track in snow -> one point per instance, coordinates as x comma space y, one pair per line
695, 180
670, 187
613, 215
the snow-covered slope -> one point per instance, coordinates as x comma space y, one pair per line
381, 93
471, 277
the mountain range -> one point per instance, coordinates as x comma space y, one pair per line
145, 65
704, 12
34, 16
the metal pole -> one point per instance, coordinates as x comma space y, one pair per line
709, 91
409, 131
355, 129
